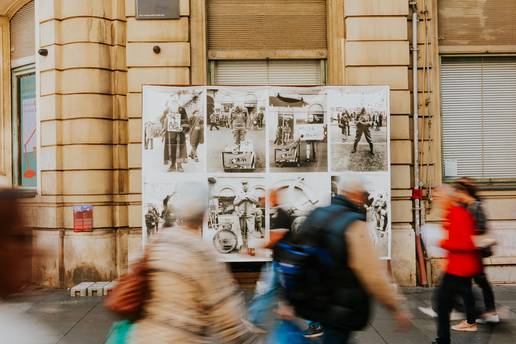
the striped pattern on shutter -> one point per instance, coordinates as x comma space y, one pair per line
23, 34
263, 28
271, 72
478, 97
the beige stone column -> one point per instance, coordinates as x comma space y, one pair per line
83, 133
170, 67
377, 53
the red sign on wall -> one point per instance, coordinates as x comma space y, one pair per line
83, 218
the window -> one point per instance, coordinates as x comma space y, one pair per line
24, 127
267, 42
268, 72
23, 103
478, 99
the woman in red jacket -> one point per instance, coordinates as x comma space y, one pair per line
462, 263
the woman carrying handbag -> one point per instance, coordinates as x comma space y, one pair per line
185, 295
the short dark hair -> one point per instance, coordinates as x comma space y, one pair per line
468, 186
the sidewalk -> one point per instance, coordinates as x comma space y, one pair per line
84, 320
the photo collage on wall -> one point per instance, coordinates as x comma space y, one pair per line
243, 142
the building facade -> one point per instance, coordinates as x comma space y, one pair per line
72, 76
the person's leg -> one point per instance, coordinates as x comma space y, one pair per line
444, 298
469, 299
487, 291
369, 140
358, 136
264, 300
333, 336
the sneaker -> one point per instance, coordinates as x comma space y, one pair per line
314, 330
464, 326
428, 311
489, 318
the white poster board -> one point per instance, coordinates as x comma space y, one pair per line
243, 141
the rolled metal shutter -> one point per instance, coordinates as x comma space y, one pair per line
478, 97
268, 72
23, 34
477, 22
262, 28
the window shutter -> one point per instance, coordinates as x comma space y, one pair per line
271, 72
23, 34
477, 22
478, 97
499, 88
266, 29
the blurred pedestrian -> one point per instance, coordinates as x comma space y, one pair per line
462, 264
191, 297
16, 256
331, 270
468, 196
267, 293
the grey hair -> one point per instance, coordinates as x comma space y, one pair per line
350, 184
189, 203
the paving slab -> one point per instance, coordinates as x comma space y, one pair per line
84, 320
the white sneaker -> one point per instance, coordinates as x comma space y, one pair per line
463, 326
428, 311
489, 318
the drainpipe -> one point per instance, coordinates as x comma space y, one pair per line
416, 192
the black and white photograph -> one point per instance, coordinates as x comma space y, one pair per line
377, 207
159, 194
297, 196
359, 128
236, 129
236, 216
173, 130
297, 130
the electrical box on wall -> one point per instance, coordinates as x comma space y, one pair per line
157, 9
83, 218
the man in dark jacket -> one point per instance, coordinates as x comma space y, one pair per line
364, 122
357, 272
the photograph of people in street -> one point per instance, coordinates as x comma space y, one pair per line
173, 130
236, 134
377, 206
298, 195
297, 130
159, 195
236, 216
359, 128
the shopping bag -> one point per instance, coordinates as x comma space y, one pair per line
287, 332
120, 332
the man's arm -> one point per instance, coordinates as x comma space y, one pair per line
364, 262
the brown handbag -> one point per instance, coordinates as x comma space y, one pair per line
128, 297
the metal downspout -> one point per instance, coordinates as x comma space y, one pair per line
417, 182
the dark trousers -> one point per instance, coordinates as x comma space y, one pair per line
487, 291
332, 336
214, 125
363, 130
451, 287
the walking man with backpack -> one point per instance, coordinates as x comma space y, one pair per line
330, 270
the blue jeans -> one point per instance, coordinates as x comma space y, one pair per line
332, 336
263, 303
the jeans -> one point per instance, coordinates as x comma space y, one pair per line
451, 287
265, 300
332, 336
487, 291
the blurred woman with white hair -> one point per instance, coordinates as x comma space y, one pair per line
192, 297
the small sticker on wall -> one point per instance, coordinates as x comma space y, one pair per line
451, 168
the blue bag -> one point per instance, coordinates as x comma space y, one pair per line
120, 332
287, 332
